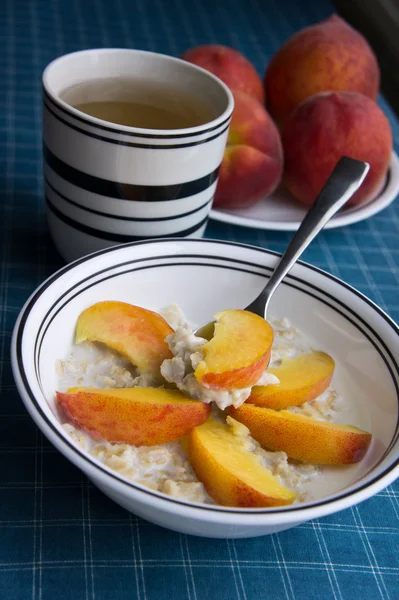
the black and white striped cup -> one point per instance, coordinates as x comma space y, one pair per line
108, 184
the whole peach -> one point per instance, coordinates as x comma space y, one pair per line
328, 56
326, 127
253, 160
230, 66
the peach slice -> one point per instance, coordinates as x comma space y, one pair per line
136, 333
238, 353
232, 475
302, 378
138, 416
304, 438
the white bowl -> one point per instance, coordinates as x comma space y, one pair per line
205, 276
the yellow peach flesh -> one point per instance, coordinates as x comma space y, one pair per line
302, 378
232, 475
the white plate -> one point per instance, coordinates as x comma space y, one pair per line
205, 276
281, 212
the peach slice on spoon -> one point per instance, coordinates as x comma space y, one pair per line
238, 353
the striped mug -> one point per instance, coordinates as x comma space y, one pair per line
107, 183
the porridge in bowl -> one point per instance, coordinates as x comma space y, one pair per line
246, 419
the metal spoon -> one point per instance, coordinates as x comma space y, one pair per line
344, 181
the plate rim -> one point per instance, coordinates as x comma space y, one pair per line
383, 200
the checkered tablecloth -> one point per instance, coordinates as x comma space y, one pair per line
60, 537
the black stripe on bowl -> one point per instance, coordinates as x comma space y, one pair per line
119, 217
17, 347
127, 191
117, 237
154, 136
120, 142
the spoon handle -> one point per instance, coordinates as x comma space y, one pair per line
345, 179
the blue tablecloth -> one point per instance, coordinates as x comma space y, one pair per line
60, 537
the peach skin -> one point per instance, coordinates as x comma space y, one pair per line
326, 127
327, 56
238, 353
138, 416
136, 333
232, 475
304, 438
253, 160
302, 378
230, 66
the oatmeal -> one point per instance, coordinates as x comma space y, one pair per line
166, 468
95, 365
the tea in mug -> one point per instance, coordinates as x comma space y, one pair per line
139, 103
